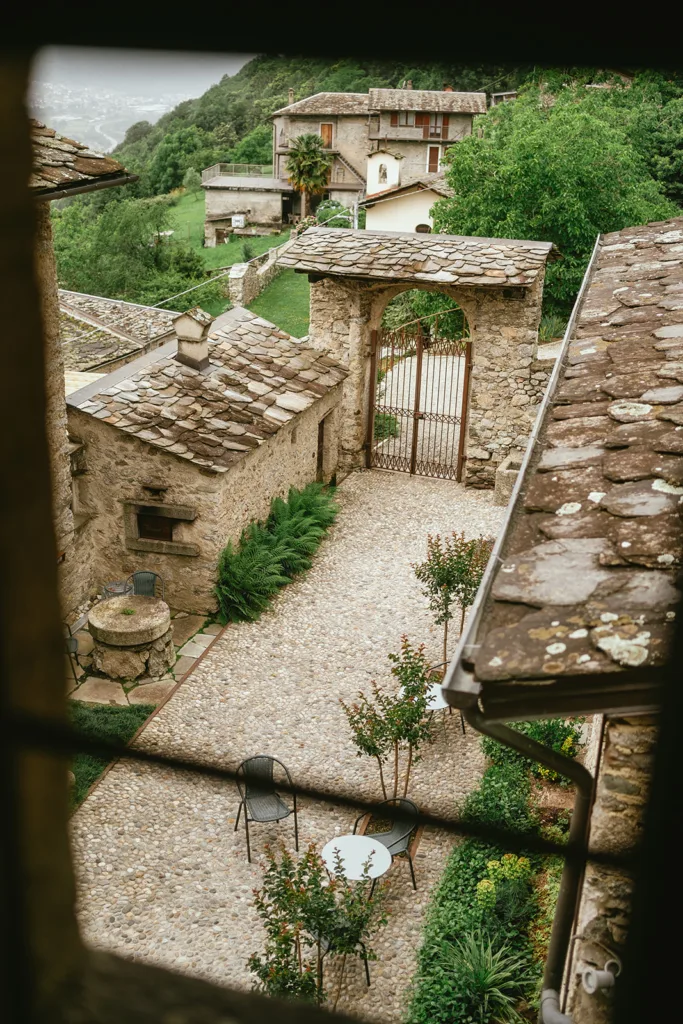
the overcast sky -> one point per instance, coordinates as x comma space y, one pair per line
135, 72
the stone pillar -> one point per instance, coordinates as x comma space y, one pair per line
341, 324
624, 777
504, 399
55, 409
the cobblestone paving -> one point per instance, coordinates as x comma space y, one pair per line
162, 875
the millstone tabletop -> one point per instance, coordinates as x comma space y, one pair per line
111, 622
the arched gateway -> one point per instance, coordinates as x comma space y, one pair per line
498, 283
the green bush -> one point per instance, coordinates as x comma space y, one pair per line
386, 425
502, 800
489, 977
248, 251
101, 722
270, 553
563, 735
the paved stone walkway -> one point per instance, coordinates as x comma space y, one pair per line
162, 875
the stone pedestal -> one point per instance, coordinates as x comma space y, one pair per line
133, 637
506, 476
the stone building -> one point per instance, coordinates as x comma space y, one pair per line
577, 613
98, 335
401, 206
392, 134
180, 449
61, 168
498, 283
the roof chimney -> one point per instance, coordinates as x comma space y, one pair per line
447, 88
290, 96
409, 84
192, 330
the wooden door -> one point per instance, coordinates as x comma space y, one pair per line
326, 135
320, 460
433, 159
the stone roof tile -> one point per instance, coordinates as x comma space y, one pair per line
216, 416
594, 584
411, 256
60, 163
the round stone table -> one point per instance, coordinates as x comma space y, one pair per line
133, 637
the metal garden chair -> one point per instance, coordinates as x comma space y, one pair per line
397, 839
147, 584
259, 797
327, 946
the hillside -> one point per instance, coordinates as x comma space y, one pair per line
229, 122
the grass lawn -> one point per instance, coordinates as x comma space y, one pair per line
285, 302
188, 224
102, 722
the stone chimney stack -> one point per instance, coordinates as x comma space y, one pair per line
409, 84
291, 96
192, 330
447, 88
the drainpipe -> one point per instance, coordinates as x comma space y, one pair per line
572, 874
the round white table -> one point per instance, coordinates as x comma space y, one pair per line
355, 851
435, 701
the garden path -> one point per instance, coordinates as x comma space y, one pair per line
162, 876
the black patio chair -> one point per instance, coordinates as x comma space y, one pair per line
147, 584
259, 797
397, 839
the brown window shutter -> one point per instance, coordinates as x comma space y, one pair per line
394, 120
422, 120
445, 120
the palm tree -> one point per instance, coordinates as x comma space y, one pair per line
308, 167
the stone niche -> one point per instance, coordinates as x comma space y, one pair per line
506, 477
133, 637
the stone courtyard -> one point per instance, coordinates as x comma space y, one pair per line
163, 878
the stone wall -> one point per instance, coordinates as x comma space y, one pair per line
624, 774
247, 280
117, 466
349, 136
55, 411
260, 208
507, 379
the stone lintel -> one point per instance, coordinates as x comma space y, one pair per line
185, 512
162, 547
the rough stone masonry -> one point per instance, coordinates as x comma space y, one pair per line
498, 283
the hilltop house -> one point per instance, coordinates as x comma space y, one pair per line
206, 430
382, 137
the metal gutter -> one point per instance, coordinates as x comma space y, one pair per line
94, 186
459, 687
572, 873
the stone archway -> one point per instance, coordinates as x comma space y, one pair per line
498, 283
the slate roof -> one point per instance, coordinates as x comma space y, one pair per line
427, 100
258, 379
328, 103
411, 256
59, 163
420, 182
587, 586
95, 331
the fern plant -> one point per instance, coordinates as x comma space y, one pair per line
491, 980
270, 553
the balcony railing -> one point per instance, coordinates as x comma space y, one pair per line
238, 170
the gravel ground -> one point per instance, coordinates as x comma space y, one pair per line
162, 875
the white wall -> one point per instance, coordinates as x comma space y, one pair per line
403, 213
393, 172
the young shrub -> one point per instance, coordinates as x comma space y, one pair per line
489, 977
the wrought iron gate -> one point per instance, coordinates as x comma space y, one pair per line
419, 386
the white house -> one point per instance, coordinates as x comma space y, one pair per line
400, 206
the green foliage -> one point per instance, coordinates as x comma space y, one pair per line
308, 166
306, 915
489, 978
192, 181
385, 425
179, 150
451, 574
334, 214
436, 312
270, 553
502, 800
551, 326
255, 148
101, 722
556, 168
384, 724
563, 735
118, 250
248, 251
